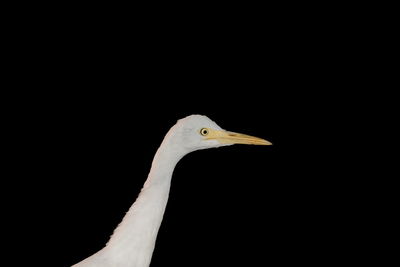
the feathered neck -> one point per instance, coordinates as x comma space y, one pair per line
133, 241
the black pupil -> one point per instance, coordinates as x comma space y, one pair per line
205, 131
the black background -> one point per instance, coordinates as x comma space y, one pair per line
104, 94
88, 159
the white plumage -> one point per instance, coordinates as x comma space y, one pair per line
133, 241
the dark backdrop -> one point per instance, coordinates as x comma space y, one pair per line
90, 155
104, 99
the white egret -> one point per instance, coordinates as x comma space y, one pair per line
133, 241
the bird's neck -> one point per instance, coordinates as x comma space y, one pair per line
134, 239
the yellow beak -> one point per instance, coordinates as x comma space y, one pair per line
235, 138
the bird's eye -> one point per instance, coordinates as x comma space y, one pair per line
204, 131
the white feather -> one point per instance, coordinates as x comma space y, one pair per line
133, 241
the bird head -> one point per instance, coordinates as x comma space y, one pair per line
197, 132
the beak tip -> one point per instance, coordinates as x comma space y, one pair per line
267, 143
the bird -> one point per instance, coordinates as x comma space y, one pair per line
133, 241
